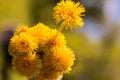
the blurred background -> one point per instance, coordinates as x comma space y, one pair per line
96, 44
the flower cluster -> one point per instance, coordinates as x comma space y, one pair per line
40, 52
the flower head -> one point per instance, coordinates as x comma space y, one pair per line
27, 65
63, 59
55, 39
60, 60
22, 43
69, 14
40, 31
21, 29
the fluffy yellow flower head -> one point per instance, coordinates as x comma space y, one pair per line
21, 29
69, 13
40, 31
55, 39
60, 60
27, 65
22, 43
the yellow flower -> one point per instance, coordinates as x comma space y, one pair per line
69, 13
40, 31
21, 29
29, 65
60, 60
63, 59
55, 39
23, 43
